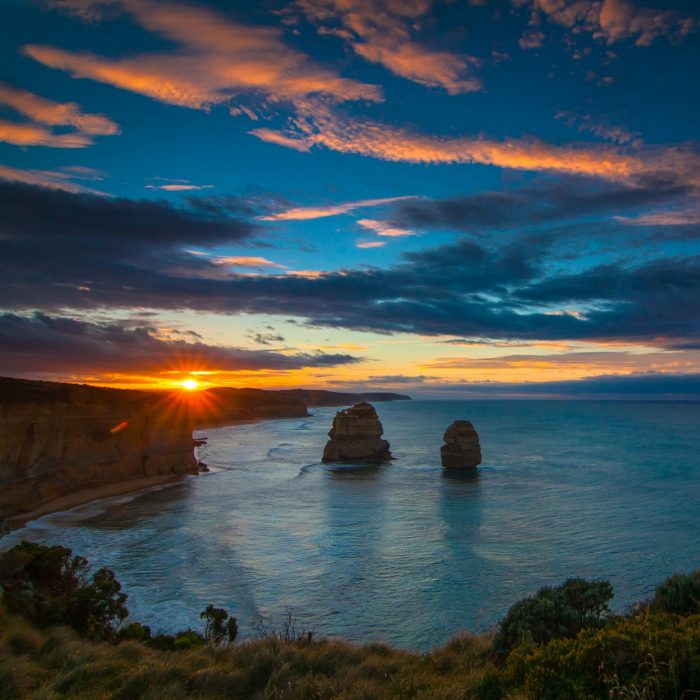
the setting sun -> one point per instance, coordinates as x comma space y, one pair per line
189, 384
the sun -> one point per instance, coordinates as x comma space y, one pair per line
189, 384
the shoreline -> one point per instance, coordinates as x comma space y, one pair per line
85, 496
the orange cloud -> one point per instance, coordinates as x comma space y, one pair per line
370, 244
614, 20
380, 32
45, 113
53, 179
320, 212
371, 138
382, 228
218, 59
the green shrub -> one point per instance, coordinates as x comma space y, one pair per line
647, 656
552, 613
136, 632
51, 587
679, 594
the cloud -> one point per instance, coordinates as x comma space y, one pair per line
544, 202
45, 114
178, 187
370, 244
636, 386
602, 129
322, 211
251, 261
615, 20
57, 345
50, 179
382, 32
331, 130
400, 379
133, 254
382, 228
217, 59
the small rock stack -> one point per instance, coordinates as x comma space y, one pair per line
356, 436
461, 449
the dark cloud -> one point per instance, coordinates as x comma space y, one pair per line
551, 201
509, 290
266, 338
639, 386
400, 379
45, 344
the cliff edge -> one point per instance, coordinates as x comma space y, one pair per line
56, 439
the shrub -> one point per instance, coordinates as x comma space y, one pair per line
648, 656
679, 594
51, 587
552, 613
136, 632
218, 625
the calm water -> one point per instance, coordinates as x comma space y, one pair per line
404, 552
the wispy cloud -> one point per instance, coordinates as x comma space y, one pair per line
383, 228
46, 114
324, 210
218, 59
178, 187
52, 179
382, 32
370, 244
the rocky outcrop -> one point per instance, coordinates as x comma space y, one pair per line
57, 439
461, 449
356, 436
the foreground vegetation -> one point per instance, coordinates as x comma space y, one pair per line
63, 635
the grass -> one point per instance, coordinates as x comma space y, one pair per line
56, 663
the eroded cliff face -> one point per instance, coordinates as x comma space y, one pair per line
56, 439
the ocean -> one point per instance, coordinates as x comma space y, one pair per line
405, 552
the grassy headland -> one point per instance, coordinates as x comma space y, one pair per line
63, 635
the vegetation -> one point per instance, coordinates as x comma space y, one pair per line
63, 635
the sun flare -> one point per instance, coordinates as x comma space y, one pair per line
189, 384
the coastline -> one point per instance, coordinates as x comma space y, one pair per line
85, 496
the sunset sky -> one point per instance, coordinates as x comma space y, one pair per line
445, 198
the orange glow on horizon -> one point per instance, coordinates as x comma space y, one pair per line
189, 384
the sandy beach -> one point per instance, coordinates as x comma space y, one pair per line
80, 498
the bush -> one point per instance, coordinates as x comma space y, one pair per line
218, 625
553, 613
648, 656
679, 594
51, 587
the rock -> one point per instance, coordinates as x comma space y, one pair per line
461, 449
56, 439
356, 436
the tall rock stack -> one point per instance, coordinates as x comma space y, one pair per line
461, 449
356, 436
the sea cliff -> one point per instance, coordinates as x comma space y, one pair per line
65, 444
56, 439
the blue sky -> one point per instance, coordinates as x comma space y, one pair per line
426, 195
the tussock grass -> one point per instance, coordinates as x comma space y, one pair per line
56, 663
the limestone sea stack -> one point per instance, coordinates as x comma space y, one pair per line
356, 436
461, 449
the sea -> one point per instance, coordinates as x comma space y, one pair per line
406, 552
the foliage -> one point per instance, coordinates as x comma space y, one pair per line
653, 655
679, 594
52, 587
553, 613
218, 626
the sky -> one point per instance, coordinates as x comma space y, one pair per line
444, 198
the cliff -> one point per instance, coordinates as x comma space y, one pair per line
56, 439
